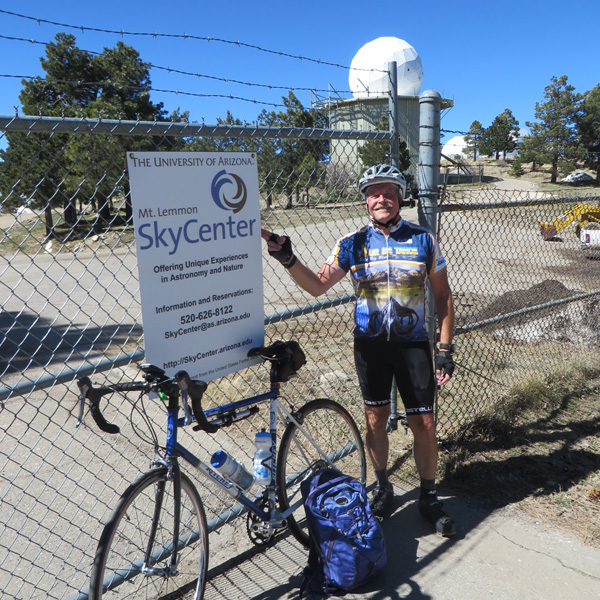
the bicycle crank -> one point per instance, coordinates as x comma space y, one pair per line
260, 532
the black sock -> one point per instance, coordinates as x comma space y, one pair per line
428, 490
381, 477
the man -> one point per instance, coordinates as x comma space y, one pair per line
390, 261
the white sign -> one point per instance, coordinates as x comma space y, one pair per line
197, 233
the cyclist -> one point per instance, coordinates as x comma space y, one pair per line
390, 261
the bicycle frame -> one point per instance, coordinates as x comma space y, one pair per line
266, 514
239, 409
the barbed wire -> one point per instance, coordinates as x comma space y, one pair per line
186, 36
338, 94
141, 89
190, 73
453, 131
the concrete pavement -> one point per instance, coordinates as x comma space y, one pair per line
501, 555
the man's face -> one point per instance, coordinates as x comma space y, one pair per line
383, 201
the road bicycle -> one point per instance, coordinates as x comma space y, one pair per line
155, 544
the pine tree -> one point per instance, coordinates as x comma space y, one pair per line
297, 164
555, 130
473, 139
501, 137
377, 152
588, 126
53, 171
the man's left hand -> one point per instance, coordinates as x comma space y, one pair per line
444, 366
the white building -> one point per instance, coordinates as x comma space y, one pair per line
369, 83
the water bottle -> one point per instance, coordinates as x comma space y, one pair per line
262, 458
231, 469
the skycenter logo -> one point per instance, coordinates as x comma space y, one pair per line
220, 187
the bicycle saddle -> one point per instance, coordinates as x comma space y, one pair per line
287, 358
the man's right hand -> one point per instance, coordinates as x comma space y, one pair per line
279, 247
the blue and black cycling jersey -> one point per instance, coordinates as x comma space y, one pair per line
390, 276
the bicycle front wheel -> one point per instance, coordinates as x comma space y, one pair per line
328, 437
135, 552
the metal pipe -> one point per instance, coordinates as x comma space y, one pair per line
169, 128
393, 114
68, 375
428, 177
524, 311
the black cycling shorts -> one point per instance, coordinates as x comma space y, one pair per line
377, 362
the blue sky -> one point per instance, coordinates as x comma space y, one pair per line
486, 56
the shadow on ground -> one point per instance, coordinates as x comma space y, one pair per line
506, 465
30, 341
500, 464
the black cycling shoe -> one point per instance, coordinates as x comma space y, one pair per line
381, 500
432, 511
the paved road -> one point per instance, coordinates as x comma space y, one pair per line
501, 555
72, 307
516, 184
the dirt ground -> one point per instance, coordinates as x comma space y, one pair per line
543, 461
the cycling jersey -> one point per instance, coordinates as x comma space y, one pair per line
389, 274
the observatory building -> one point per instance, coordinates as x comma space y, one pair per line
369, 84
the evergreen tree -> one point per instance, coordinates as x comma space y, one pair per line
295, 165
473, 139
509, 132
486, 143
555, 130
588, 126
377, 152
37, 165
502, 135
532, 150
53, 171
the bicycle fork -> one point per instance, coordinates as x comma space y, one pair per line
171, 569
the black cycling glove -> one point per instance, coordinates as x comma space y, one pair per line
285, 256
444, 362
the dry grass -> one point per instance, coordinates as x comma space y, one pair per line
538, 451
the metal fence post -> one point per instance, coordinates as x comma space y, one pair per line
394, 161
393, 114
428, 177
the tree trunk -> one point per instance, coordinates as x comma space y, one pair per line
103, 217
128, 206
49, 223
554, 169
70, 214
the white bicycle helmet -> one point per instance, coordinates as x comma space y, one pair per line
382, 174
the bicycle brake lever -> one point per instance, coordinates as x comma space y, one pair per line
195, 390
186, 407
94, 395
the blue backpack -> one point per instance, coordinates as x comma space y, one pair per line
346, 541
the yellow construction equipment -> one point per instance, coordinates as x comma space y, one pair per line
580, 213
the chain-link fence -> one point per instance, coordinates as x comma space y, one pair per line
71, 307
526, 306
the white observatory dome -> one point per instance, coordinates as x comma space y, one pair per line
454, 146
366, 76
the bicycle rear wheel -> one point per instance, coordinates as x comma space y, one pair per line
145, 516
329, 437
